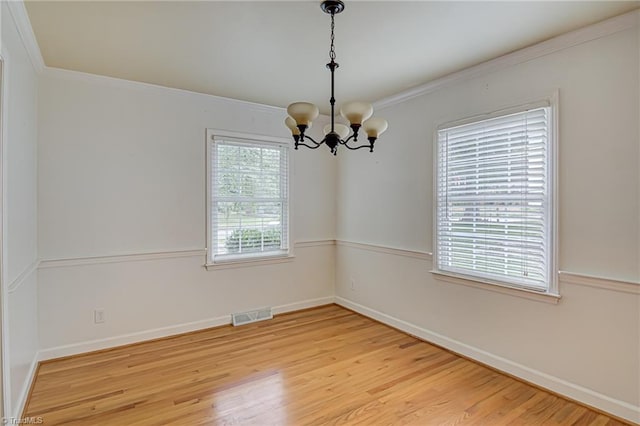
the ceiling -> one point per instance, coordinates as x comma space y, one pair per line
275, 52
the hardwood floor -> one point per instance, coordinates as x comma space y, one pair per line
322, 366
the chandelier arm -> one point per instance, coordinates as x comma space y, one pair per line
346, 141
308, 146
370, 146
313, 140
314, 146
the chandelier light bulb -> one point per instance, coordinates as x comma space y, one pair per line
374, 127
303, 112
356, 112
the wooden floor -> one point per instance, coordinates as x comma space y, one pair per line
322, 366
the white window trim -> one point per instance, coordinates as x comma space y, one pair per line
498, 287
552, 293
257, 258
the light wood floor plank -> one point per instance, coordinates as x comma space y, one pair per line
321, 366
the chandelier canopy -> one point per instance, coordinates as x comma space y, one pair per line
358, 114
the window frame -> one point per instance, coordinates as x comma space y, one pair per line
248, 259
551, 293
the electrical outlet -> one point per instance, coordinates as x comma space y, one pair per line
353, 284
98, 316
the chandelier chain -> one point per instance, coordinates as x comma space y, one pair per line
332, 50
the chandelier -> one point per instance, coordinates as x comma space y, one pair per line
358, 114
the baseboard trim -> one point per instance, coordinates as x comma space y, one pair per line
129, 338
21, 404
158, 333
554, 384
304, 304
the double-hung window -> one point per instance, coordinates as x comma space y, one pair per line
494, 212
248, 196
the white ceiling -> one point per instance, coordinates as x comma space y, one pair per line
275, 52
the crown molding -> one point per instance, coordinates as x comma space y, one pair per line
18, 13
154, 88
561, 42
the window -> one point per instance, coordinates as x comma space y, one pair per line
248, 198
494, 217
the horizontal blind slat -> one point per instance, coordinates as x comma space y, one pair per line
492, 197
249, 183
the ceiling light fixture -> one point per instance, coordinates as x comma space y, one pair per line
358, 114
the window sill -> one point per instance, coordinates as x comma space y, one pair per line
248, 262
539, 296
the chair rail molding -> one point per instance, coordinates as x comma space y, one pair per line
599, 282
423, 255
151, 255
15, 284
565, 277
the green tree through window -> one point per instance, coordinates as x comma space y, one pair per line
249, 197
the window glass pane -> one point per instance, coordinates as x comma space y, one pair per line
248, 226
249, 211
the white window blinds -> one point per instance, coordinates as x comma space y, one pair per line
493, 199
249, 199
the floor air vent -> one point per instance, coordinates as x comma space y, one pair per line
242, 318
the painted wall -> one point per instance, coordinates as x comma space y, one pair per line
122, 172
20, 209
588, 344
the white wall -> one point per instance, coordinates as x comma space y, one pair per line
587, 345
20, 213
122, 171
121, 174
